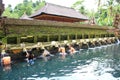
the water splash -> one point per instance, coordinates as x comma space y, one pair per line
118, 41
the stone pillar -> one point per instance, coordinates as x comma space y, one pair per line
35, 39
18, 40
68, 37
59, 37
82, 36
48, 38
76, 36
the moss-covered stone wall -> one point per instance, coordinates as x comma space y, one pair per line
17, 31
42, 30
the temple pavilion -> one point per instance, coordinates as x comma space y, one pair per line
55, 12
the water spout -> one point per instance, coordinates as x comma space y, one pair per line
118, 41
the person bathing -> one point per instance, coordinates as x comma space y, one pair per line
62, 52
5, 60
71, 50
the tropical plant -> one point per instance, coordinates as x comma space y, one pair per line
106, 13
27, 7
79, 6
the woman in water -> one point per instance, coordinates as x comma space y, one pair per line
62, 52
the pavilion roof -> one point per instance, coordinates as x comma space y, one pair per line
58, 10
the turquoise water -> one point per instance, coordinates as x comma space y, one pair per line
101, 63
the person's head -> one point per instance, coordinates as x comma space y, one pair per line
70, 46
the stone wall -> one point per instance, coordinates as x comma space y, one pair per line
37, 30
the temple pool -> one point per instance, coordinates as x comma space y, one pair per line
101, 63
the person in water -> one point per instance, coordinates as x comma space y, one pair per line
71, 50
6, 61
46, 54
30, 58
62, 52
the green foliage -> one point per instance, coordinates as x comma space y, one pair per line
39, 5
9, 12
27, 7
105, 13
104, 18
4, 40
1, 33
79, 6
